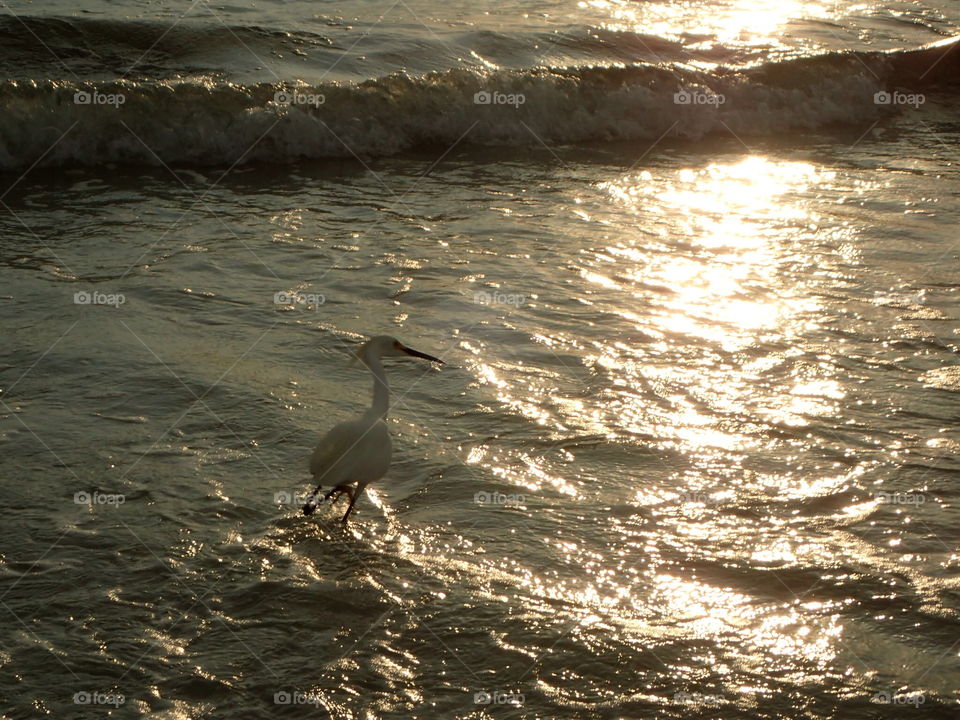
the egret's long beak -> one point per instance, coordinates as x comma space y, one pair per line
417, 353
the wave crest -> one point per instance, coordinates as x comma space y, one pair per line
152, 122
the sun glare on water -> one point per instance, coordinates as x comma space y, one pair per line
699, 25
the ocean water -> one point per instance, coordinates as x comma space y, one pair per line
693, 269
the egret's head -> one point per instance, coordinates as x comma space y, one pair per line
388, 346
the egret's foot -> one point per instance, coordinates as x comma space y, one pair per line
334, 493
311, 503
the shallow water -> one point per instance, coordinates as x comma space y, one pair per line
693, 452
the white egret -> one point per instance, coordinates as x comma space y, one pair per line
357, 452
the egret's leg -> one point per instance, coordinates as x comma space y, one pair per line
339, 490
353, 500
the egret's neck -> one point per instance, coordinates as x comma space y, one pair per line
381, 391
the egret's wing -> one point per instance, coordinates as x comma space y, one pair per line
325, 462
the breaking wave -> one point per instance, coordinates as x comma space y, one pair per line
212, 121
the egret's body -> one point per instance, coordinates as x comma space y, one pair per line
355, 453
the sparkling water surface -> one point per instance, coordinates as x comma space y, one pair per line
693, 453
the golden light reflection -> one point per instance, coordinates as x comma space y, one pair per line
713, 280
700, 350
699, 265
700, 24
520, 469
715, 284
710, 611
